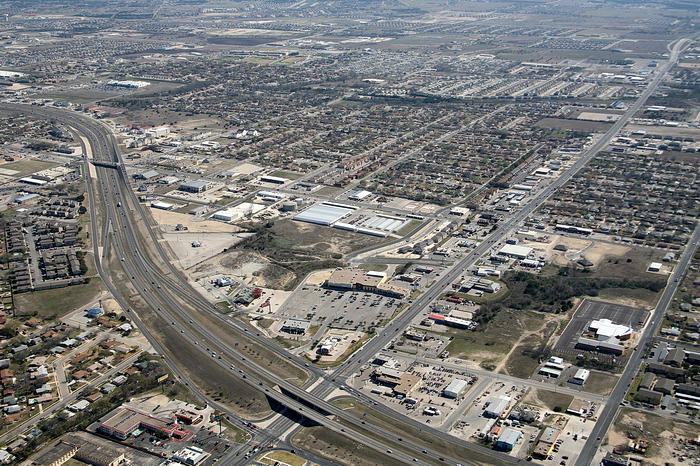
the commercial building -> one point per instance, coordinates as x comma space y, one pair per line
359, 195
555, 363
512, 250
580, 377
126, 420
273, 179
295, 326
162, 205
546, 443
147, 175
497, 406
57, 454
387, 376
508, 439
407, 384
393, 291
325, 213
188, 417
226, 215
190, 455
272, 196
578, 407
194, 186
573, 229
604, 336
328, 345
348, 279
455, 388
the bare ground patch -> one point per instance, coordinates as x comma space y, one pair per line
662, 432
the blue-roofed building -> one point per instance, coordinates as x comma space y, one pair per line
94, 312
508, 439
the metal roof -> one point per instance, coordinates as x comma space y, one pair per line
323, 214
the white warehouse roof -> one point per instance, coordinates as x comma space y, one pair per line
582, 375
323, 214
359, 195
455, 388
521, 252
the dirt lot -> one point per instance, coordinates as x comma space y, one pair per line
508, 344
574, 125
610, 260
547, 399
280, 256
168, 220
666, 436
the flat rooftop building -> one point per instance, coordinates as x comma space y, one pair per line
126, 420
324, 214
295, 326
512, 250
455, 388
194, 186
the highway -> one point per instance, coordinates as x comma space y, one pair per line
607, 414
447, 278
163, 291
171, 313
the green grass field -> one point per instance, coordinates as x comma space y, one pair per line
27, 166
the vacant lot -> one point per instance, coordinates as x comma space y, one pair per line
27, 166
49, 304
600, 383
574, 125
548, 399
510, 343
663, 433
289, 250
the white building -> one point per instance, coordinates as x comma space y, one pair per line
227, 215
581, 376
190, 455
497, 406
512, 250
455, 388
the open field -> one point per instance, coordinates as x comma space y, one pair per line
509, 343
27, 166
548, 399
48, 304
600, 383
287, 251
574, 125
637, 297
666, 436
280, 457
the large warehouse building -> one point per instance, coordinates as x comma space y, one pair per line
325, 213
455, 388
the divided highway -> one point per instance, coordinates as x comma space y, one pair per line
169, 300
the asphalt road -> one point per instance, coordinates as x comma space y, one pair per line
160, 283
607, 414
157, 285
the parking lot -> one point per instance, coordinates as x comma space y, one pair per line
348, 310
592, 310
